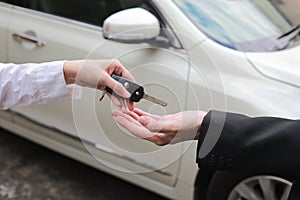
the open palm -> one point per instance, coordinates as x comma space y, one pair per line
161, 130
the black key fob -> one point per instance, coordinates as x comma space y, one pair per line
136, 91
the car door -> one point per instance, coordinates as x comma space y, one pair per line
5, 12
58, 31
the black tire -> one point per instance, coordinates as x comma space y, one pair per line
222, 183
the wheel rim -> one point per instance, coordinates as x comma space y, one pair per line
261, 188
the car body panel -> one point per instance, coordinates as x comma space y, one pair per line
79, 118
5, 11
242, 87
58, 41
281, 66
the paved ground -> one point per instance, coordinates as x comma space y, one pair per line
31, 172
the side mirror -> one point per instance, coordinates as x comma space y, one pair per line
131, 25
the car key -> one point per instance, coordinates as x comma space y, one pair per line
137, 91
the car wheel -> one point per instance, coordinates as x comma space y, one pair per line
239, 186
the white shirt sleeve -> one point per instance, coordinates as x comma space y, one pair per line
27, 84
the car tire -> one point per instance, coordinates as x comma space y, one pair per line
246, 186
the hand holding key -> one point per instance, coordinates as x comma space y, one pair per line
97, 74
136, 91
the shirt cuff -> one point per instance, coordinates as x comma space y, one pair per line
51, 83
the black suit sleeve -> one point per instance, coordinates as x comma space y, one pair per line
262, 145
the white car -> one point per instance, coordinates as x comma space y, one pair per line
226, 55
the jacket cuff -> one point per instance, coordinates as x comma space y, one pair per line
202, 132
214, 150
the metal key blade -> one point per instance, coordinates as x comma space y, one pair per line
155, 100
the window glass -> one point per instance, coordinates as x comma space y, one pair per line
246, 25
91, 11
22, 3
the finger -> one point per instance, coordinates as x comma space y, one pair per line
120, 113
117, 113
127, 75
119, 103
117, 68
117, 87
151, 123
130, 105
115, 100
162, 125
143, 113
134, 115
138, 130
124, 107
133, 127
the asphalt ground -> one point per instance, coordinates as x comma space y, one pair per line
31, 172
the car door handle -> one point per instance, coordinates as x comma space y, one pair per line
22, 36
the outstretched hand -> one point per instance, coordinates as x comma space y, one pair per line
161, 130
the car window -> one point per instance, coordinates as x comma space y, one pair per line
92, 11
246, 25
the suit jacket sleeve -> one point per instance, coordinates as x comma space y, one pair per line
262, 145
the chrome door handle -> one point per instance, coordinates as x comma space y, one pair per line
22, 36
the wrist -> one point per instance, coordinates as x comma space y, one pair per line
70, 70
